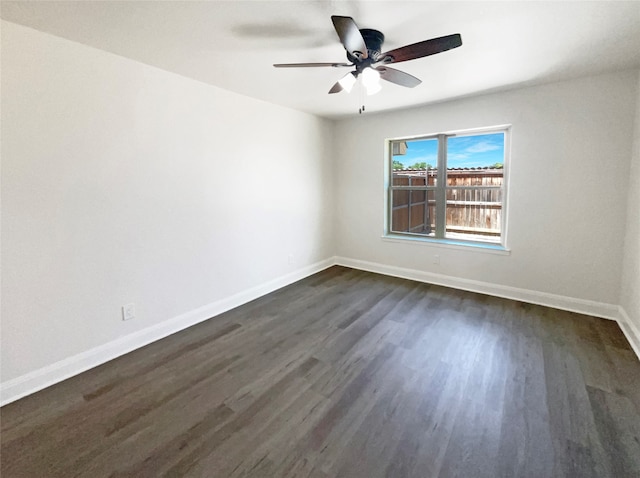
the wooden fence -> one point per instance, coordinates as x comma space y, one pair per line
474, 201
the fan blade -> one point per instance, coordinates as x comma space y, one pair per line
337, 88
350, 36
345, 83
423, 48
398, 77
310, 65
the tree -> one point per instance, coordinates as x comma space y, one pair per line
422, 165
397, 164
497, 166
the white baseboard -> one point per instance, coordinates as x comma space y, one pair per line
38, 379
630, 330
582, 306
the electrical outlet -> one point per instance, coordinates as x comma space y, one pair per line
128, 311
436, 259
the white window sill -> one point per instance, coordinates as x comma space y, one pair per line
449, 244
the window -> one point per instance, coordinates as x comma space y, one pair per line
449, 187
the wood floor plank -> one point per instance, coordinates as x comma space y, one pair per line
525, 443
348, 374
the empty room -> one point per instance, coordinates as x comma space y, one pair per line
320, 239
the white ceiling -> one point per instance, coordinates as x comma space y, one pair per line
233, 44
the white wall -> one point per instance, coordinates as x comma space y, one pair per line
570, 149
630, 290
125, 183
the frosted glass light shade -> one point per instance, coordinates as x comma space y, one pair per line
371, 81
347, 81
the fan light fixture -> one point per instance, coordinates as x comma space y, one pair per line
370, 81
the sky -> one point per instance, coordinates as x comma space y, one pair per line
462, 151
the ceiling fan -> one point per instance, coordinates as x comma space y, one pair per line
364, 53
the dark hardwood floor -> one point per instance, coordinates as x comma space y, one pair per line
348, 374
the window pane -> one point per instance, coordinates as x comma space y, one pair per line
414, 158
475, 161
477, 151
474, 214
413, 211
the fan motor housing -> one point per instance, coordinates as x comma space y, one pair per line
374, 40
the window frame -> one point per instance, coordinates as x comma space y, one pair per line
440, 191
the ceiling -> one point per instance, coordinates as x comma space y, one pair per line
233, 44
